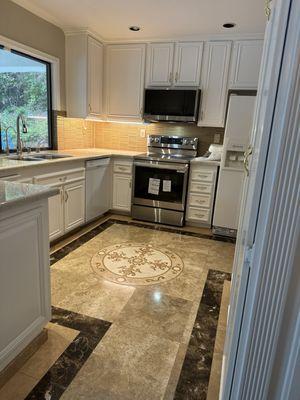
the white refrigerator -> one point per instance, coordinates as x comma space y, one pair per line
232, 169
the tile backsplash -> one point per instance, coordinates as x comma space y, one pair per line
74, 133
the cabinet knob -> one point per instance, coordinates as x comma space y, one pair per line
66, 196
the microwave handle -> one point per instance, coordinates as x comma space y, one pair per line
179, 168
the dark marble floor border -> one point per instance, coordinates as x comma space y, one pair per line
61, 253
62, 372
194, 377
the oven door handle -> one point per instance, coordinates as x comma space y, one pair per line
179, 168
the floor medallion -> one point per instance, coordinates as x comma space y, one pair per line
136, 264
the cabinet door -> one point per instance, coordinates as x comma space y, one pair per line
125, 66
122, 192
95, 72
187, 65
74, 198
160, 64
56, 216
245, 66
214, 84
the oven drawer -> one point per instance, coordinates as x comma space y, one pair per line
123, 167
198, 214
201, 187
202, 175
198, 200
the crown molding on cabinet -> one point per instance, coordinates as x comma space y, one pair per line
194, 38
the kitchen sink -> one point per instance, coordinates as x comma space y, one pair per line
38, 157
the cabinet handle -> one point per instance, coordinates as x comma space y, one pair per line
268, 9
200, 201
90, 108
247, 154
176, 77
170, 77
202, 115
66, 196
200, 215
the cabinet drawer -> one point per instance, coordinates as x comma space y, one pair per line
123, 167
199, 200
198, 214
201, 187
59, 178
202, 175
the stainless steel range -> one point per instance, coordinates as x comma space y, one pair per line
161, 178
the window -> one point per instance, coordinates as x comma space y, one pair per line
25, 88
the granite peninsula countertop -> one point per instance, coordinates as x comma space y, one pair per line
205, 160
76, 154
13, 194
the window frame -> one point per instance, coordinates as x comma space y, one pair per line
49, 96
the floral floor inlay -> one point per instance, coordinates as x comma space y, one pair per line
136, 264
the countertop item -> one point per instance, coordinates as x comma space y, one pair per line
76, 154
13, 193
205, 160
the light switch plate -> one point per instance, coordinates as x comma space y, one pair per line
143, 132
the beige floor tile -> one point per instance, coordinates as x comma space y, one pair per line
18, 387
215, 378
59, 338
128, 364
153, 312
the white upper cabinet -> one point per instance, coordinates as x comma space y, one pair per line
214, 83
125, 65
95, 76
84, 75
245, 65
187, 63
170, 64
160, 64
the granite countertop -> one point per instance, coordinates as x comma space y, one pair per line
13, 194
76, 154
205, 161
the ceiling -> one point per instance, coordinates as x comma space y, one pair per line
158, 19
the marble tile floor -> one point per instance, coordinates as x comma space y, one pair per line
147, 348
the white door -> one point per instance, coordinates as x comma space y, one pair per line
160, 64
245, 65
214, 83
56, 215
95, 71
74, 198
122, 192
187, 63
259, 142
125, 80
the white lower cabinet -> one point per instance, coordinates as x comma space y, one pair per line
201, 193
122, 186
74, 197
66, 209
56, 215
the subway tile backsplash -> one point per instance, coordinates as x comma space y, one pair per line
74, 133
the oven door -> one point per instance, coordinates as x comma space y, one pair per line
160, 184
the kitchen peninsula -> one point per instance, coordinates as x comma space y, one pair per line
25, 306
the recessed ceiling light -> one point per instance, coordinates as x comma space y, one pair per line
229, 25
134, 28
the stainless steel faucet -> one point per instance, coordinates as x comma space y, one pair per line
24, 130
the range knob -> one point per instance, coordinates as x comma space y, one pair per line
185, 141
151, 139
156, 140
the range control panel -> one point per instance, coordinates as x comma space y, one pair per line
173, 142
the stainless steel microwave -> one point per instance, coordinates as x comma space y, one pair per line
171, 105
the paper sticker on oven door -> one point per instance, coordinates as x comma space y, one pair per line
153, 187
166, 186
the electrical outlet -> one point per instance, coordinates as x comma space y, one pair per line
217, 138
143, 132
